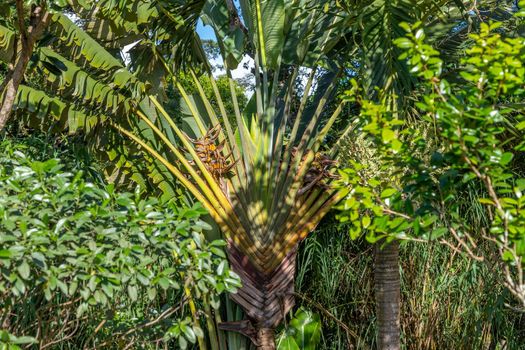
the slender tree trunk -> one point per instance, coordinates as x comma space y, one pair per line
10, 90
38, 21
388, 295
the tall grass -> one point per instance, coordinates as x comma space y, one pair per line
448, 300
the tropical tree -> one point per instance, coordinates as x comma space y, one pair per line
388, 79
265, 185
394, 102
267, 182
469, 124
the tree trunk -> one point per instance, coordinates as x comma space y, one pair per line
388, 295
38, 21
265, 298
265, 339
10, 90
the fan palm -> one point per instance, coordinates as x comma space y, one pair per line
265, 184
262, 173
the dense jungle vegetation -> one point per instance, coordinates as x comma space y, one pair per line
262, 174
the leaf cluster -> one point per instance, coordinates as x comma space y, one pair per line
65, 239
470, 133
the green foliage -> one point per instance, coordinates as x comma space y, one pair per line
176, 106
11, 342
380, 20
470, 133
71, 150
77, 79
82, 91
449, 300
74, 247
303, 332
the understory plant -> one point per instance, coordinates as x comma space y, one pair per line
87, 265
449, 301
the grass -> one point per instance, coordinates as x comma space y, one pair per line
448, 300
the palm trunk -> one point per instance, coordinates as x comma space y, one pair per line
266, 339
38, 21
388, 295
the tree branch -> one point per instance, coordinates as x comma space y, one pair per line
21, 23
38, 22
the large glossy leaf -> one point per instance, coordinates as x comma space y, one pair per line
72, 36
66, 77
265, 20
270, 15
39, 107
303, 332
307, 326
287, 342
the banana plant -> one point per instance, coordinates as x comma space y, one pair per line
76, 78
263, 173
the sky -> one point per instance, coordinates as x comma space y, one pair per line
205, 32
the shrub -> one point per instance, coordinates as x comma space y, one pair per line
76, 257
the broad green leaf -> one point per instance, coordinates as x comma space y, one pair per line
7, 38
5, 254
24, 270
438, 232
231, 38
506, 158
307, 326
389, 192
132, 292
287, 343
271, 20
